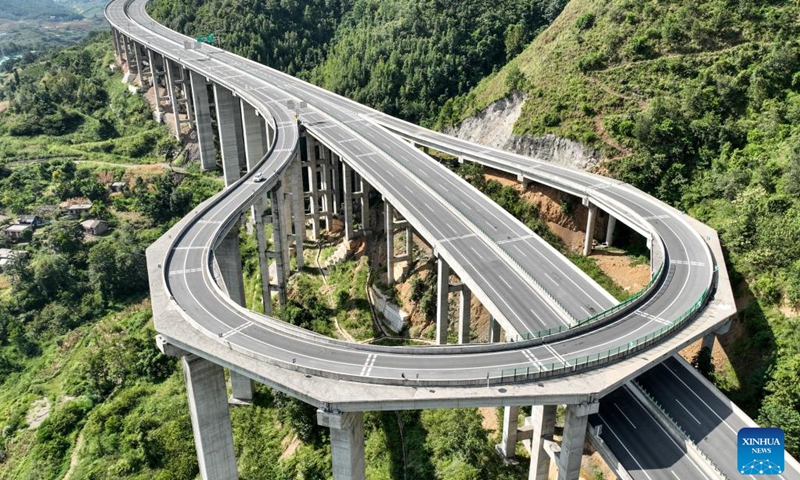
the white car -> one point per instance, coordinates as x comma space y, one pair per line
258, 177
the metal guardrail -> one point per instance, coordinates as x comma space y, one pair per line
683, 433
597, 317
589, 361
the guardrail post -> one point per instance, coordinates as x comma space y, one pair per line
347, 443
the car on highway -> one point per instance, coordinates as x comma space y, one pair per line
258, 177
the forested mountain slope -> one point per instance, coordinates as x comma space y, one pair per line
405, 57
698, 103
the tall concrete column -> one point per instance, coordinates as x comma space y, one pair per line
510, 423
364, 206
612, 225
313, 184
708, 341
543, 420
241, 388
279, 242
590, 224
347, 188
494, 330
156, 71
115, 37
264, 125
442, 294
229, 260
211, 421
261, 239
347, 443
202, 116
173, 96
335, 183
574, 437
252, 135
327, 191
228, 140
137, 54
298, 208
463, 314
388, 214
410, 244
186, 87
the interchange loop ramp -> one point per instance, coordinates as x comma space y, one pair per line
498, 257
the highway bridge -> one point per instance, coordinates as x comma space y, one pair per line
294, 156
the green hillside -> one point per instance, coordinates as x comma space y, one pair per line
405, 57
697, 103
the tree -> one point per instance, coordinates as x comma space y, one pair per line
65, 237
51, 274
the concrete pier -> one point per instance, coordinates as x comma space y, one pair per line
202, 116
442, 294
494, 330
313, 184
229, 259
281, 252
228, 138
242, 390
347, 189
590, 224
575, 422
543, 420
610, 230
211, 421
464, 315
295, 172
263, 263
510, 422
253, 148
388, 213
347, 443
169, 67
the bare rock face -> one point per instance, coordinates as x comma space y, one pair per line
494, 127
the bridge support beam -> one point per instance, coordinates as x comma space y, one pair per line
263, 262
325, 186
347, 443
494, 330
464, 315
365, 227
590, 224
347, 190
442, 304
211, 421
169, 67
228, 138
242, 390
229, 259
575, 421
279, 241
298, 208
389, 219
202, 116
313, 184
253, 147
509, 442
543, 420
335, 195
610, 229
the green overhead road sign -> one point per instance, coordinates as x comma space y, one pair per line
206, 38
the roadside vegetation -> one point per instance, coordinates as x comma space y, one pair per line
698, 104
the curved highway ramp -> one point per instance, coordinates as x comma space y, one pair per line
295, 156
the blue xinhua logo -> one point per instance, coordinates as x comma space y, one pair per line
760, 451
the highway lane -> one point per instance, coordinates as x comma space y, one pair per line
710, 423
276, 343
640, 443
